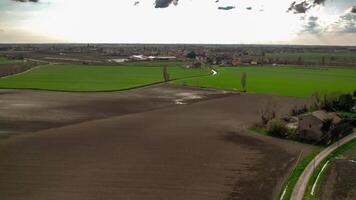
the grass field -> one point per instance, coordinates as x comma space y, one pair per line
4, 60
316, 58
93, 78
158, 63
285, 81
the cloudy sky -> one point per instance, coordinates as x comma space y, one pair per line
323, 22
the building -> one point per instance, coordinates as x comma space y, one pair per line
309, 127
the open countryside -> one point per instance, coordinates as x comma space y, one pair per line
178, 100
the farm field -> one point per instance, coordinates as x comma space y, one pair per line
94, 78
340, 178
284, 81
316, 58
139, 144
4, 60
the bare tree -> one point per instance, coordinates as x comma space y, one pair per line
243, 81
267, 112
165, 74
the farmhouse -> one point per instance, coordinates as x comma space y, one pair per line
310, 125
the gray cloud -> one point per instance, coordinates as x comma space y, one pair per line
226, 7
318, 2
298, 8
165, 3
304, 6
347, 23
353, 9
312, 25
24, 1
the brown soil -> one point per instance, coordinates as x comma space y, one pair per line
10, 69
340, 181
144, 147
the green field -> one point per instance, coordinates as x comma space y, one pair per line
158, 63
4, 60
316, 58
93, 78
285, 81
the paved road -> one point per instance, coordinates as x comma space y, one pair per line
302, 183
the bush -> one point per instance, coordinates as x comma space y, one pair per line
191, 55
345, 102
299, 110
277, 128
341, 129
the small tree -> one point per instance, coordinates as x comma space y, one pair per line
267, 112
345, 102
327, 123
323, 60
243, 81
165, 74
277, 128
191, 55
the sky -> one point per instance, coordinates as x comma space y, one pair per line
306, 22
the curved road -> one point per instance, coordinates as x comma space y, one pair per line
302, 183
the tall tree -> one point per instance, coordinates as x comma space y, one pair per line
243, 81
165, 74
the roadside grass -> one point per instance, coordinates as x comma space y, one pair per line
295, 174
293, 177
259, 130
88, 78
284, 81
340, 150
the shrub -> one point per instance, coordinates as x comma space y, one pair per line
345, 102
299, 110
267, 112
341, 129
277, 128
191, 55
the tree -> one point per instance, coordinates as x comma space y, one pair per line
165, 74
345, 102
277, 128
300, 61
243, 81
323, 60
267, 112
191, 55
327, 123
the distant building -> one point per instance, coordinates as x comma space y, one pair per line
254, 62
236, 62
139, 57
310, 124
